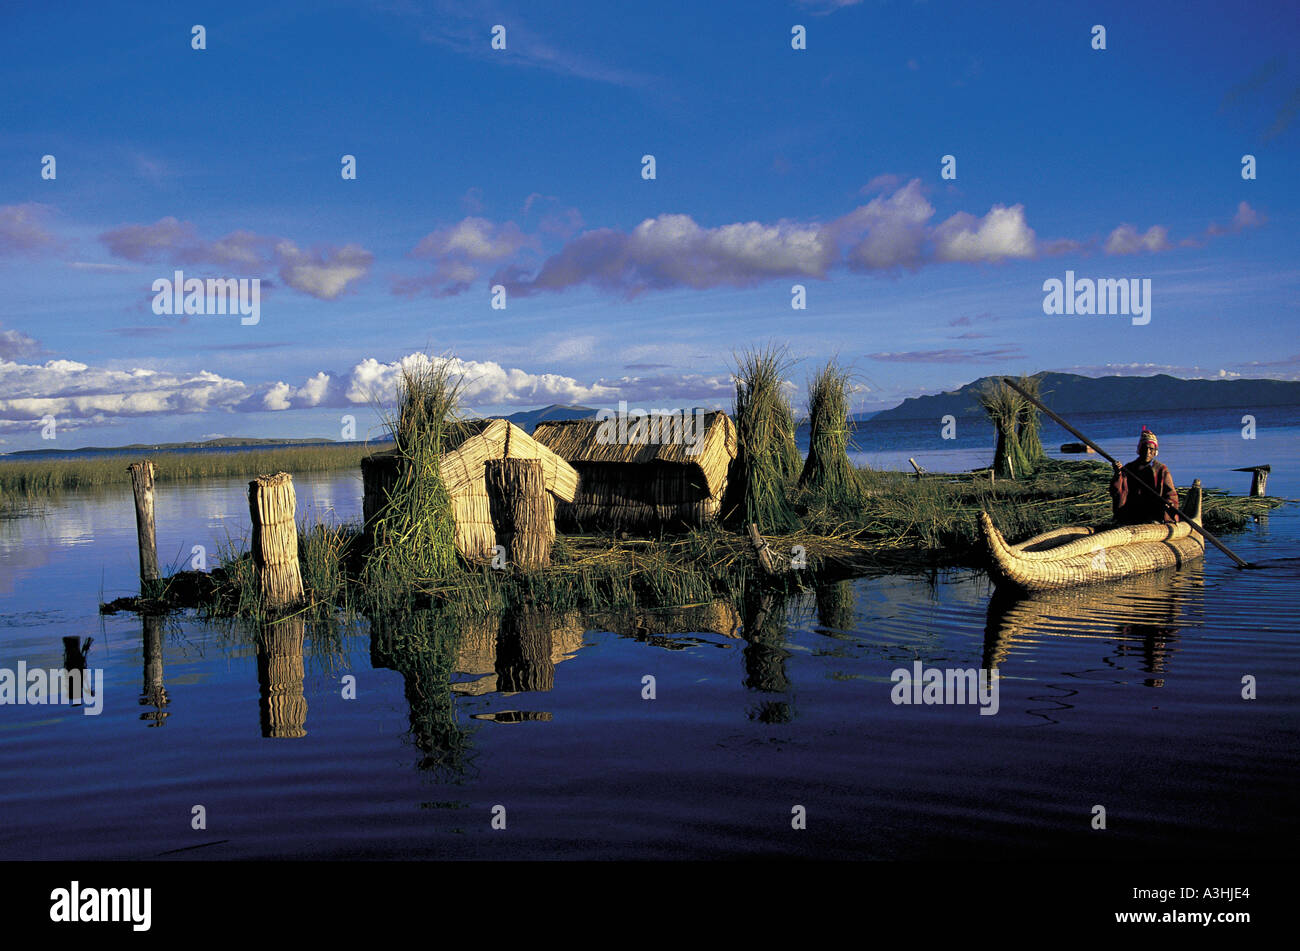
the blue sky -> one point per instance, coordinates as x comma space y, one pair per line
523, 167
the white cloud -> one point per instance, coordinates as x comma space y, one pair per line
72, 391
1126, 240
485, 382
322, 273
1002, 233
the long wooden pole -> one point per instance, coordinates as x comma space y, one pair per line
1241, 562
142, 487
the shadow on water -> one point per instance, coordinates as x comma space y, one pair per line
1135, 619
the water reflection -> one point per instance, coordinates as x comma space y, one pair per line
74, 658
422, 647
1138, 618
281, 705
765, 633
154, 693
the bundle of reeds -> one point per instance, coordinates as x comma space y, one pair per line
1029, 428
791, 460
763, 428
827, 469
414, 534
1016, 421
523, 512
271, 505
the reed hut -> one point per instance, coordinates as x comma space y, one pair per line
643, 485
463, 469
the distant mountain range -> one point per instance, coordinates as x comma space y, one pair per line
225, 442
1064, 392
1070, 393
528, 420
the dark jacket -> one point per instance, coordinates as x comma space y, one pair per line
1132, 505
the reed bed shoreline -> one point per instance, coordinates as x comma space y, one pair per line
39, 478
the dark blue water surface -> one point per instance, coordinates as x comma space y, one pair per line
1127, 697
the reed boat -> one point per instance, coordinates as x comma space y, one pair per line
1079, 555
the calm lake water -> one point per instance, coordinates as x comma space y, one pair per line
1128, 697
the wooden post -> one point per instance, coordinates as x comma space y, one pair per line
142, 486
1259, 477
918, 469
275, 539
523, 511
767, 559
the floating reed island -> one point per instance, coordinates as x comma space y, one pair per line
480, 517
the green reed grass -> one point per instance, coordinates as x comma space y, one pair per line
827, 470
415, 534
764, 436
35, 478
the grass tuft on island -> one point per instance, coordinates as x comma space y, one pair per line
898, 523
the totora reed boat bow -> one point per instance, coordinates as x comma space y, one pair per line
1074, 556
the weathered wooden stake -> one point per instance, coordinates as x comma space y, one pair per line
1259, 479
275, 539
142, 486
767, 559
919, 469
523, 512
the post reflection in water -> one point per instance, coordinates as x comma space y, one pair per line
153, 694
282, 706
765, 654
1134, 618
74, 658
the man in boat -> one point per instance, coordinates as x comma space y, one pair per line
1132, 505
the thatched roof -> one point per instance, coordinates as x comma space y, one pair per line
463, 473
476, 441
576, 440
500, 439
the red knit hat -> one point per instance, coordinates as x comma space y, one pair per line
1149, 436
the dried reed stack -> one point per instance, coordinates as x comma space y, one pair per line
275, 540
763, 428
827, 469
1019, 447
523, 512
1029, 427
282, 706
